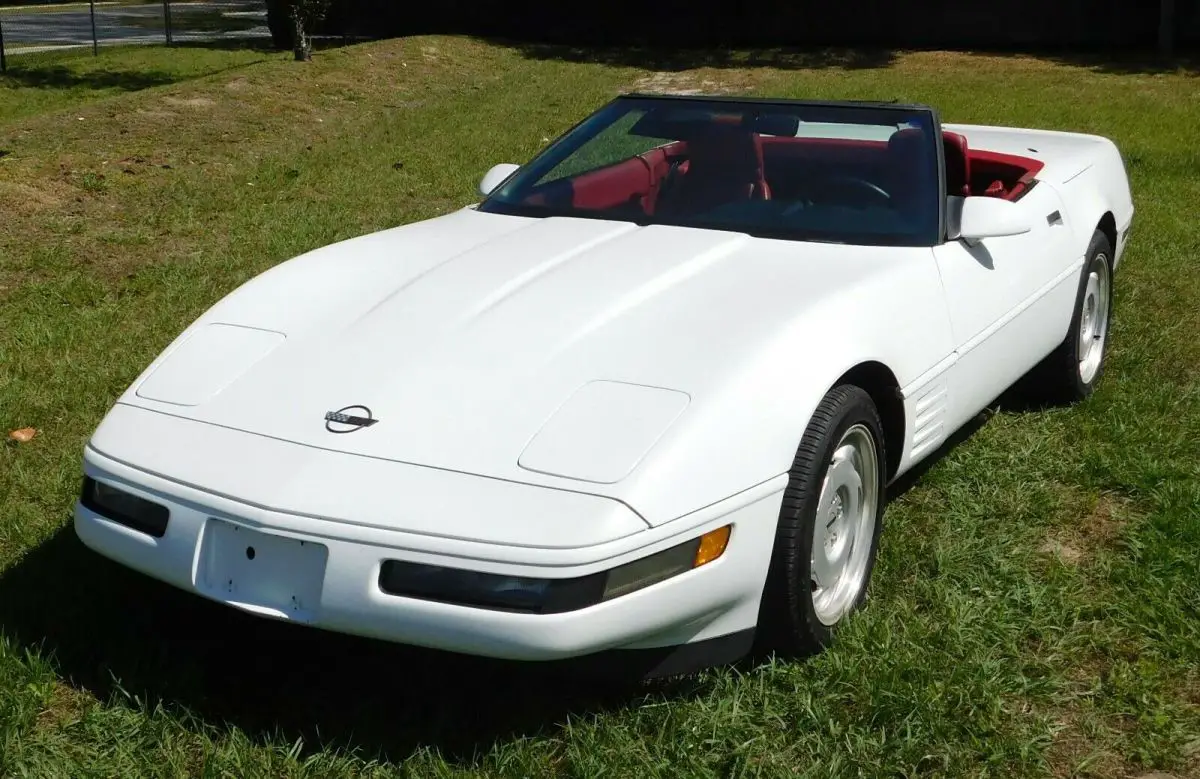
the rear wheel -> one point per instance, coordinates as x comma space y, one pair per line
1073, 370
829, 523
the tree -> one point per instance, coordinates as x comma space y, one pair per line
305, 15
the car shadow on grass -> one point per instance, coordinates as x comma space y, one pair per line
114, 632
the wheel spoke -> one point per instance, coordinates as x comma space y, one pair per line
822, 571
844, 473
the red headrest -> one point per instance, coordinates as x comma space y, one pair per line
726, 150
958, 164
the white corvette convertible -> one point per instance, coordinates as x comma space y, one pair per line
642, 401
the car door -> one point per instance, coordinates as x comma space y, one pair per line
1010, 300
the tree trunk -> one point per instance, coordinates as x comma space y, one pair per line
1166, 28
301, 43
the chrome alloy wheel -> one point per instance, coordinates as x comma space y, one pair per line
845, 525
1093, 320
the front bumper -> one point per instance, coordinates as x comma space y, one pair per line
338, 588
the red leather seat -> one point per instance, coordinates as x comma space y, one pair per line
658, 165
725, 165
958, 164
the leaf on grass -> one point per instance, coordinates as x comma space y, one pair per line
23, 435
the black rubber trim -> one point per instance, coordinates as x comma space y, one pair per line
150, 519
471, 588
529, 595
644, 664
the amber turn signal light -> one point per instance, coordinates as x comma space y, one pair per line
712, 546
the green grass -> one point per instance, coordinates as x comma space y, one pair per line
1035, 611
44, 82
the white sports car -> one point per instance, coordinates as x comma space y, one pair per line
642, 401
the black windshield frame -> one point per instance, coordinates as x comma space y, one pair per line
584, 131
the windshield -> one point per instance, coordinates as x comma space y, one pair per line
843, 173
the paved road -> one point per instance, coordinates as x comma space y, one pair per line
42, 30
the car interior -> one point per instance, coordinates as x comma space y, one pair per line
716, 164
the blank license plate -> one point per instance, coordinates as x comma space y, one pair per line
260, 572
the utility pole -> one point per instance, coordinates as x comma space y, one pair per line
167, 19
3, 61
95, 41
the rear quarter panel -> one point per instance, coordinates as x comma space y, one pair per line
1086, 170
1102, 188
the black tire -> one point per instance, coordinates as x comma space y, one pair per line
788, 623
1058, 379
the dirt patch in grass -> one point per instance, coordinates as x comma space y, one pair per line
190, 102
1091, 739
1103, 524
1084, 742
1098, 527
152, 114
685, 83
1065, 551
1078, 748
25, 198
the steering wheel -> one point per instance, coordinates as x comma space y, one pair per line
875, 191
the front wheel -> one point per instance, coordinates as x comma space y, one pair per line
829, 523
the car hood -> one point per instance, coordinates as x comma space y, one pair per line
537, 350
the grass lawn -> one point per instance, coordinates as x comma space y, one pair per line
1037, 607
43, 82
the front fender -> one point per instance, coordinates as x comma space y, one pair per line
746, 433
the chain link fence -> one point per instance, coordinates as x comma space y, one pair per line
31, 30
